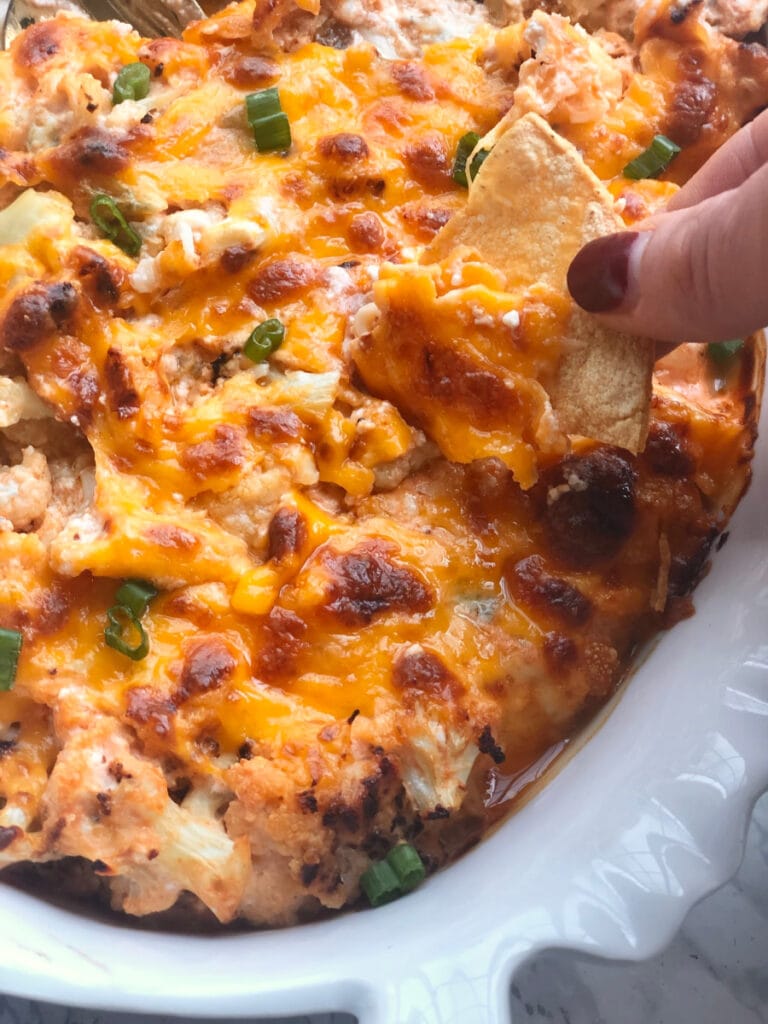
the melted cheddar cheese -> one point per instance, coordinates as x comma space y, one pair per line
365, 602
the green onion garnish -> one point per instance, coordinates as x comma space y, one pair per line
265, 103
477, 162
120, 619
386, 880
380, 884
466, 144
407, 865
271, 128
135, 595
722, 352
653, 160
131, 602
264, 340
106, 215
10, 649
132, 83
272, 133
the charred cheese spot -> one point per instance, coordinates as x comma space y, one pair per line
275, 424
36, 314
101, 279
147, 706
86, 391
345, 147
247, 72
122, 395
412, 81
449, 376
419, 673
283, 642
428, 161
530, 583
91, 151
208, 664
223, 453
424, 219
287, 534
236, 258
173, 538
667, 451
366, 582
365, 233
592, 517
37, 46
281, 279
693, 104
358, 186
334, 33
52, 611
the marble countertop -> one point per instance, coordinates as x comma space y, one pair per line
716, 970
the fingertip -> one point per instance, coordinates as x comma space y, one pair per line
599, 277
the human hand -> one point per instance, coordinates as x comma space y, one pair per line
699, 270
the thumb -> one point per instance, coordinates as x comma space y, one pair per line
698, 275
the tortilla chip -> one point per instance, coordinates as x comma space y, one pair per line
532, 206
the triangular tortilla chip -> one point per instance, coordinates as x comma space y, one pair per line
532, 206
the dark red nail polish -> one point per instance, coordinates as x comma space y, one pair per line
599, 274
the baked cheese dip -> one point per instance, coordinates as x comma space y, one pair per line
324, 515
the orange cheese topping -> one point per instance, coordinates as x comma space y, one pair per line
331, 585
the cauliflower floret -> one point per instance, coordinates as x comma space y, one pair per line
105, 803
570, 78
19, 402
25, 492
435, 761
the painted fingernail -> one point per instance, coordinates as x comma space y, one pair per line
598, 277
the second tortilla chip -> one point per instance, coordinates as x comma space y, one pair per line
533, 205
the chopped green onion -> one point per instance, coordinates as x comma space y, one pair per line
272, 133
722, 352
380, 884
262, 104
132, 83
477, 162
271, 128
135, 595
653, 160
121, 618
463, 151
10, 649
407, 865
106, 215
264, 340
401, 871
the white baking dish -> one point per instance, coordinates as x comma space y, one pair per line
647, 818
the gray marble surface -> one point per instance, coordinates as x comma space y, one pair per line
715, 971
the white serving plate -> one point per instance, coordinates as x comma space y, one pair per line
643, 821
